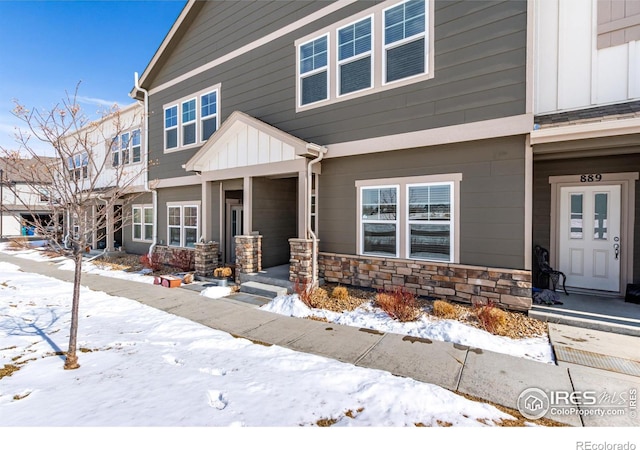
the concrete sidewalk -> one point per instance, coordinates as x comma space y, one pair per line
486, 375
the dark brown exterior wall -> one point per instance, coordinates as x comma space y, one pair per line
542, 170
491, 196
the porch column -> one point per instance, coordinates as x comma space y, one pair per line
205, 220
301, 261
109, 238
206, 258
247, 201
303, 212
248, 255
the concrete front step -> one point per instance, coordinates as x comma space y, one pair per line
266, 279
262, 289
593, 321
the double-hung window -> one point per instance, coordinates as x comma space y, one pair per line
313, 67
405, 40
208, 114
182, 225
429, 221
355, 57
142, 223
115, 151
124, 148
191, 120
383, 47
189, 135
171, 127
379, 220
78, 166
136, 146
410, 217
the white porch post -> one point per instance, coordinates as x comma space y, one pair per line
205, 219
303, 206
248, 206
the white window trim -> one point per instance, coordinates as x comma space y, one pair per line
175, 127
209, 116
403, 211
129, 148
396, 222
385, 47
300, 76
183, 124
182, 205
378, 53
197, 96
142, 223
370, 54
450, 222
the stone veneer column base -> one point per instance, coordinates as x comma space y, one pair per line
301, 261
206, 258
248, 255
508, 288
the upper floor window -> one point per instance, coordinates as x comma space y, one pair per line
126, 148
191, 120
313, 71
78, 166
404, 40
171, 127
383, 47
208, 114
354, 57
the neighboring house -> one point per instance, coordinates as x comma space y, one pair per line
586, 145
25, 198
112, 162
394, 132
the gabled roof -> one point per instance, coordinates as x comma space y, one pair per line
244, 141
27, 170
175, 28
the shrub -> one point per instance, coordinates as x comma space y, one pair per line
399, 304
18, 243
182, 259
491, 318
444, 310
154, 263
340, 293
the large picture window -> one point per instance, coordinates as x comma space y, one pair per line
182, 225
411, 217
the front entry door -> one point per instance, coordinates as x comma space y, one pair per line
235, 219
590, 241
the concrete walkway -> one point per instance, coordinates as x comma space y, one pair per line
486, 375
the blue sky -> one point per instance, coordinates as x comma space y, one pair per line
47, 47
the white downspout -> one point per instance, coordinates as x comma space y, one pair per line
154, 193
314, 252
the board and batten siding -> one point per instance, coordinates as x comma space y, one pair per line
479, 74
492, 193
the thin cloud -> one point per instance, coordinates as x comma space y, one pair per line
97, 101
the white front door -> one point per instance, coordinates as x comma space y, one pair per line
590, 241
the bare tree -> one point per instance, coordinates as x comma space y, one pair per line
88, 184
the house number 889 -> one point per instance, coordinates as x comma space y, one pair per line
590, 178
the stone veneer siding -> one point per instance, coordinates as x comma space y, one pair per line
301, 263
206, 258
248, 255
168, 254
508, 288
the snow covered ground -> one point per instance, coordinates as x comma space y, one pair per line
144, 367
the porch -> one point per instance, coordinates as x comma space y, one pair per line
592, 311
